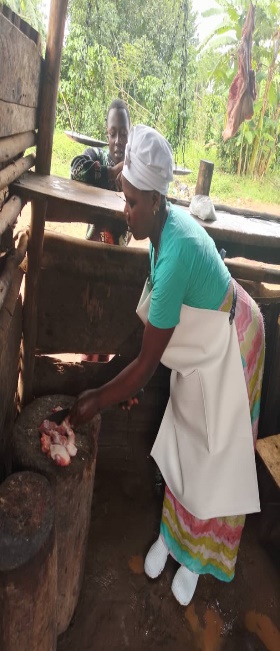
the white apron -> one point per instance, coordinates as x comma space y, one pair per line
204, 447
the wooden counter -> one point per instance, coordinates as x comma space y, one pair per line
241, 236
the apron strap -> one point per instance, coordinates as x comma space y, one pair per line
233, 306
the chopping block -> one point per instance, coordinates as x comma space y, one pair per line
28, 564
73, 489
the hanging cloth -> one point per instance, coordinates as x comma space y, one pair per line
204, 447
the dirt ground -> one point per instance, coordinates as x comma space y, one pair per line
120, 608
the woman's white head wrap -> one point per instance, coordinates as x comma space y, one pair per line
148, 162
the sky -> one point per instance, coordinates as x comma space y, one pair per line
205, 25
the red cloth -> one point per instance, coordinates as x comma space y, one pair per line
242, 91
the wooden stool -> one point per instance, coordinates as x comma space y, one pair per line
28, 564
73, 489
268, 450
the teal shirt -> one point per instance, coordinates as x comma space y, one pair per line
188, 271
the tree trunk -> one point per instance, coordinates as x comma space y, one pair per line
270, 75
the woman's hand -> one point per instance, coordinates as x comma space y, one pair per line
85, 408
130, 402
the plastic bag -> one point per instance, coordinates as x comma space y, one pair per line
202, 207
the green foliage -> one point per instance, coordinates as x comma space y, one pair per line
134, 51
225, 187
255, 147
64, 150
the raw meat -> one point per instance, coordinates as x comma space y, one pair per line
58, 441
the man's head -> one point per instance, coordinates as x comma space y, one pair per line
118, 126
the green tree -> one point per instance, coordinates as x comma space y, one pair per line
133, 50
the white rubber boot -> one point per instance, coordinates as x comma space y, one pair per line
184, 585
156, 559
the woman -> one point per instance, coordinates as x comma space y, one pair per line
205, 327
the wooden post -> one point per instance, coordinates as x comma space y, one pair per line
204, 178
72, 489
47, 105
47, 109
28, 564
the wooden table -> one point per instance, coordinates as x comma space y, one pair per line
241, 236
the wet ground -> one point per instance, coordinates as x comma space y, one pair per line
120, 608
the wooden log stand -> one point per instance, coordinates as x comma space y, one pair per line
73, 488
28, 564
268, 450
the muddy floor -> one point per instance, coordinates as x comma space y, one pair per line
120, 608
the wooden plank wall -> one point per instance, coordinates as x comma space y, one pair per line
20, 70
19, 79
88, 295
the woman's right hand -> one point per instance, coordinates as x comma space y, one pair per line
85, 408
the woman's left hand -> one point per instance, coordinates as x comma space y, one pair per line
85, 408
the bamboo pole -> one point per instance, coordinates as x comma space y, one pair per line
47, 109
9, 213
14, 145
13, 171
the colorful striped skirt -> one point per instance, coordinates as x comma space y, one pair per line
211, 546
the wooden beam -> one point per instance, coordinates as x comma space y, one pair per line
10, 340
10, 213
52, 376
103, 262
13, 171
21, 24
36, 234
204, 178
8, 308
251, 270
89, 306
50, 82
4, 194
13, 262
16, 119
14, 145
48, 98
20, 66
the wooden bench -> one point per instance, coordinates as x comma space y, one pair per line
268, 450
